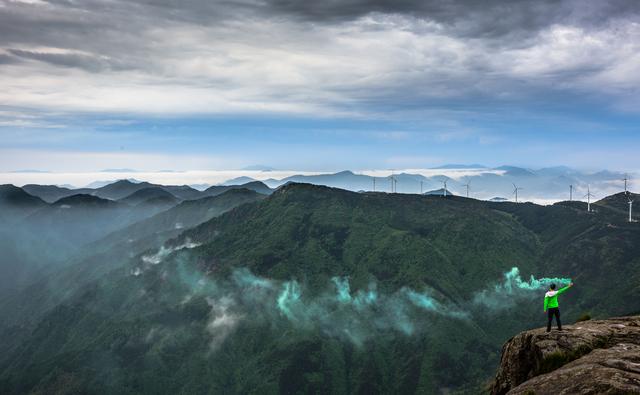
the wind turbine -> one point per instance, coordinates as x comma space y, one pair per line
392, 179
625, 179
421, 182
570, 192
515, 191
444, 189
589, 195
630, 208
467, 186
374, 184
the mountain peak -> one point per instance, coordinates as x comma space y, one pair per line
254, 183
145, 194
238, 181
344, 173
292, 186
125, 181
439, 191
515, 171
122, 181
83, 199
12, 194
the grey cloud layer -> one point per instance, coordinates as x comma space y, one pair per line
335, 58
59, 22
468, 17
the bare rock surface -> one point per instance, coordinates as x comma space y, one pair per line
590, 357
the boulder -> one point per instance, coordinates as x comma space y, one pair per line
590, 357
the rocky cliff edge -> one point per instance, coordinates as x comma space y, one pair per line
589, 357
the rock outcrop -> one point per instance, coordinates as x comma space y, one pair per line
590, 357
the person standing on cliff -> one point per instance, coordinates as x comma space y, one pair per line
551, 304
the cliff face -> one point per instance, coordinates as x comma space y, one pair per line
591, 357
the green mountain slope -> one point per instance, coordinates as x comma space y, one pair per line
318, 290
314, 233
155, 230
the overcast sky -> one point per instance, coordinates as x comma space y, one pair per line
318, 85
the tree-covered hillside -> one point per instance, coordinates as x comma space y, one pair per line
321, 290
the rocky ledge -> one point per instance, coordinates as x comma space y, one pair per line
590, 357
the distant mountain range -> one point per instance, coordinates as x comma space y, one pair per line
547, 185
544, 185
123, 191
541, 185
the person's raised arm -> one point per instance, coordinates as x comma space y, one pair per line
561, 290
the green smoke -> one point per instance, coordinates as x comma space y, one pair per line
195, 282
337, 310
421, 300
289, 300
513, 281
244, 278
343, 289
361, 300
505, 294
359, 315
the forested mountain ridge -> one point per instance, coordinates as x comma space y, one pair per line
316, 289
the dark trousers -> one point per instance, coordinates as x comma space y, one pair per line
553, 311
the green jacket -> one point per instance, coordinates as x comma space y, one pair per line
551, 298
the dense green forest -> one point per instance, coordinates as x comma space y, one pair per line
314, 290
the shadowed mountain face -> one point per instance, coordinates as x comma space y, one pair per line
150, 195
52, 193
112, 191
155, 230
123, 189
16, 203
84, 201
315, 289
37, 237
120, 189
256, 186
80, 219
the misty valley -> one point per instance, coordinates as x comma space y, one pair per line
145, 288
